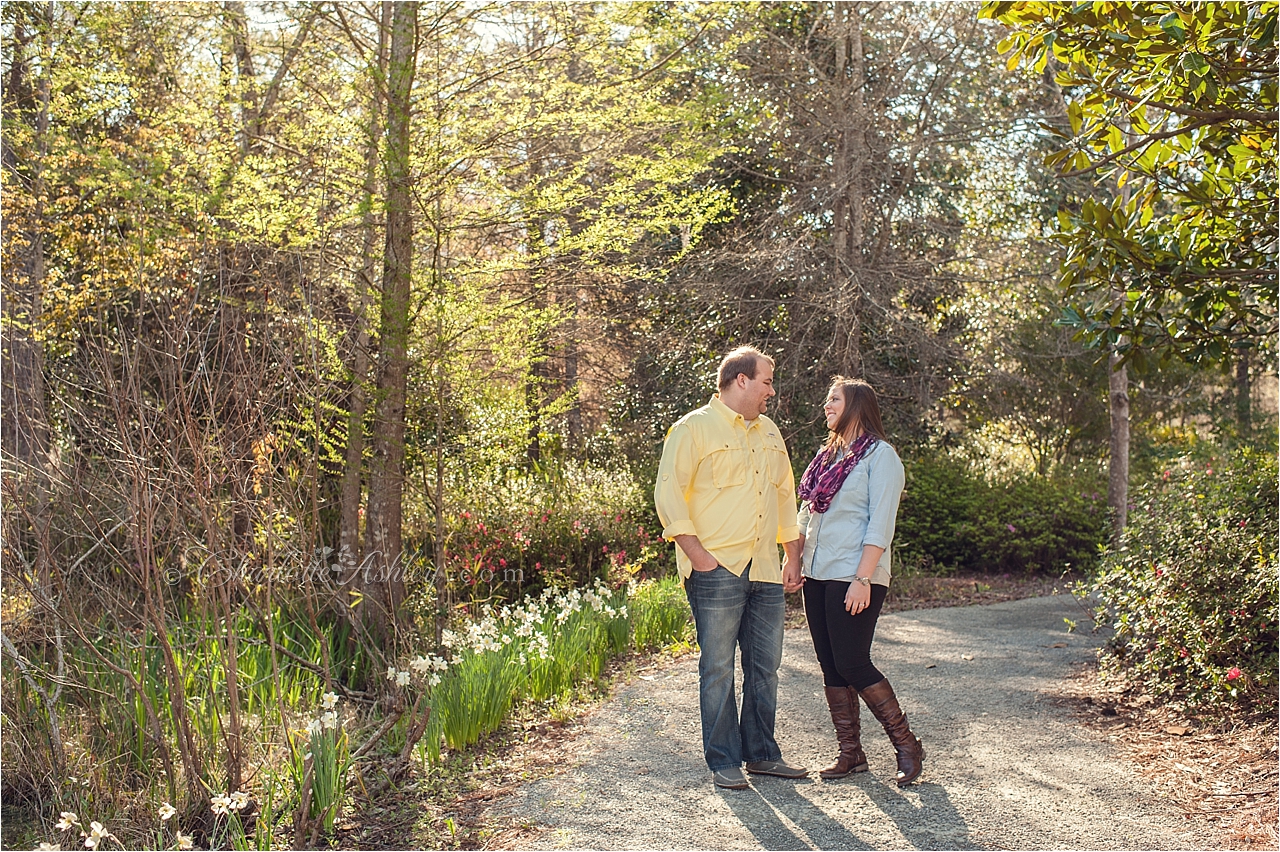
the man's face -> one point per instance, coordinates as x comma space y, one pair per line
758, 390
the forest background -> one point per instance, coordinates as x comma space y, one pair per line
340, 340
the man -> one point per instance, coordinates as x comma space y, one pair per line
726, 496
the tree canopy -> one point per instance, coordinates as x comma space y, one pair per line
1172, 108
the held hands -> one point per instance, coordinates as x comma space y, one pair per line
792, 580
857, 598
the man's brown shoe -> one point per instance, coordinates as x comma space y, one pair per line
779, 767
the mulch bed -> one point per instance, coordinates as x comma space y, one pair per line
1221, 774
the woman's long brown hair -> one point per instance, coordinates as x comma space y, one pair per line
860, 407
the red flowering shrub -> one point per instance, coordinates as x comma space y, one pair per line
1192, 590
558, 527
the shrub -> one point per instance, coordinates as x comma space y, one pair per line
1192, 590
952, 518
940, 499
561, 525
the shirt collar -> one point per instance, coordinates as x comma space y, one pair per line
729, 414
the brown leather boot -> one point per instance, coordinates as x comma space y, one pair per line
843, 701
883, 704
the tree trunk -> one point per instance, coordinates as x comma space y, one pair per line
1244, 412
353, 466
849, 203
573, 417
384, 583
1118, 476
238, 24
26, 425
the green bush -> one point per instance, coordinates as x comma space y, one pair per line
953, 518
1192, 590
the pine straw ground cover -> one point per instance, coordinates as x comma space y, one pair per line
1220, 774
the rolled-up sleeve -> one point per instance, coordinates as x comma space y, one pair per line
788, 527
802, 517
884, 487
675, 474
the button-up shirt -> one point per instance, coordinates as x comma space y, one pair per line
864, 511
728, 481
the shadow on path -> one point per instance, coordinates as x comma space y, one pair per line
758, 808
784, 815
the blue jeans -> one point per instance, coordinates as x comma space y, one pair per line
731, 612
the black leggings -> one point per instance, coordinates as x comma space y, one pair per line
842, 641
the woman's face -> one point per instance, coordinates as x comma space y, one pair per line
834, 407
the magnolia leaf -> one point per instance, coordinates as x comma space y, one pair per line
1075, 115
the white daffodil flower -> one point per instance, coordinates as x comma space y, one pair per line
167, 812
68, 820
329, 700
185, 841
97, 832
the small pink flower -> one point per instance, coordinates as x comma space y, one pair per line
1011, 528
1234, 673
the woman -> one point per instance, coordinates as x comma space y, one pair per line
850, 494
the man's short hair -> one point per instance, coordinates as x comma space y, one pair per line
744, 360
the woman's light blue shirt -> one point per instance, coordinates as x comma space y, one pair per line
864, 511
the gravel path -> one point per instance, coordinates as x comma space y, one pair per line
1006, 766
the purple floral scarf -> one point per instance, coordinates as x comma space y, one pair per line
824, 475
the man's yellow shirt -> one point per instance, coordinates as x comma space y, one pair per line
728, 481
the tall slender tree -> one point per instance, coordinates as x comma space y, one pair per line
384, 587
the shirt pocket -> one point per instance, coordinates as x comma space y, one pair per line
857, 489
779, 466
728, 467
